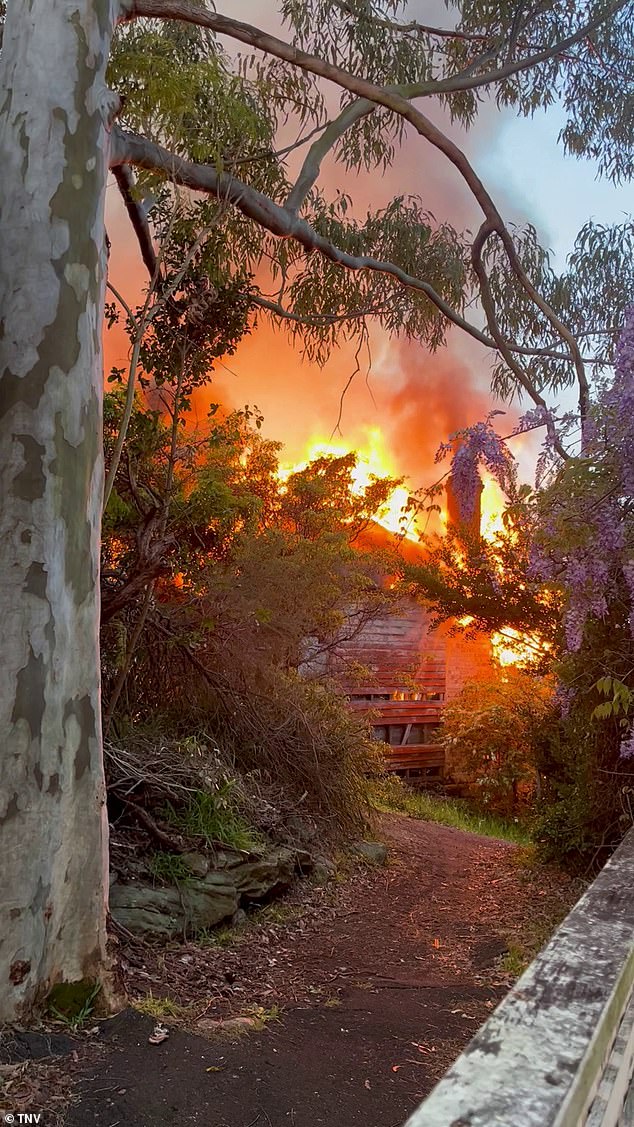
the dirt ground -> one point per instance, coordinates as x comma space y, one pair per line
362, 993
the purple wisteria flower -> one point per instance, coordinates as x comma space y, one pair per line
564, 696
628, 575
587, 544
473, 447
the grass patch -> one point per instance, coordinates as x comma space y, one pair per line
214, 818
275, 913
73, 1003
516, 960
159, 1008
391, 795
261, 1016
223, 936
170, 868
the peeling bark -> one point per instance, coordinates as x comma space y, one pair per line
54, 117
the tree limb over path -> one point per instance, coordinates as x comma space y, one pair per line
133, 149
283, 221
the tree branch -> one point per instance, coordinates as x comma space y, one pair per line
156, 297
133, 149
485, 232
129, 654
318, 320
309, 172
136, 211
187, 11
417, 28
488, 305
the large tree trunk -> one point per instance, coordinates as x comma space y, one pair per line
54, 115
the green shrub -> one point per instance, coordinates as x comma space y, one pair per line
586, 806
491, 733
215, 818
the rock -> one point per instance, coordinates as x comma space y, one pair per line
373, 851
208, 897
145, 909
325, 863
267, 876
197, 863
228, 858
323, 869
209, 901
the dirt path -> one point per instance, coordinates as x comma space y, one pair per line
377, 992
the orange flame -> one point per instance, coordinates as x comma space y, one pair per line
510, 647
492, 504
373, 461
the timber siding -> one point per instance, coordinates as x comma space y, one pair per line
410, 672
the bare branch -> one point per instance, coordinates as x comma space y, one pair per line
270, 154
156, 297
122, 302
136, 211
129, 654
317, 320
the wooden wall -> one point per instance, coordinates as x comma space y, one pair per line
411, 670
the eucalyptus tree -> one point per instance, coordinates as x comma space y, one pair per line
211, 127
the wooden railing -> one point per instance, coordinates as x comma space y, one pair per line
559, 1050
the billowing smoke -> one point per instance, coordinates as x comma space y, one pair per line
415, 399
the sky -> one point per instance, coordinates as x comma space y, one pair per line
524, 161
404, 400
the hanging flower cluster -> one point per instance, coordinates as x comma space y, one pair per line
473, 447
587, 543
586, 546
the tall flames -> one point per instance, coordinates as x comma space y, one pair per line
373, 461
399, 515
395, 418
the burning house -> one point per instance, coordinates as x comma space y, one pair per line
411, 670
